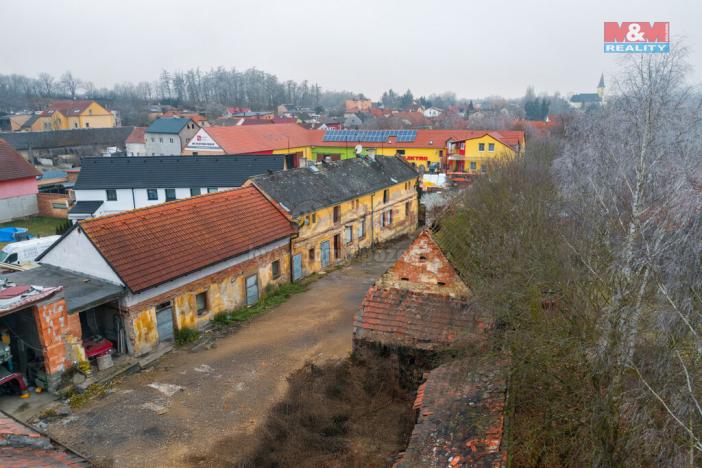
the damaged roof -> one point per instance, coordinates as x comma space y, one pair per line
149, 246
460, 419
174, 171
22, 446
419, 320
309, 189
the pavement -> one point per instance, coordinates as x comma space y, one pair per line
188, 401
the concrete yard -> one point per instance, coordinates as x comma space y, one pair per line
190, 400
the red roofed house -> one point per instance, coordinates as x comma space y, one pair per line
69, 114
18, 185
181, 262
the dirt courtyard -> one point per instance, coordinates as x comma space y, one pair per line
189, 401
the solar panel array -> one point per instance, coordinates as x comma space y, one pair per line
403, 136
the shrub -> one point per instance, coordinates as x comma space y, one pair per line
186, 335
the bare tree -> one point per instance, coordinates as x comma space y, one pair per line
70, 84
46, 85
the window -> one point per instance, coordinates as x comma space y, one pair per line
171, 140
87, 124
211, 189
275, 269
337, 214
153, 139
194, 191
481, 146
310, 254
491, 147
75, 125
160, 139
111, 194
408, 208
59, 205
362, 228
152, 194
314, 218
170, 194
388, 218
473, 165
201, 303
483, 168
348, 234
401, 152
337, 246
386, 195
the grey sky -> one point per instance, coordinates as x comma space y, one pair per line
475, 48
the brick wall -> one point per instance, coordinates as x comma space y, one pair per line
49, 205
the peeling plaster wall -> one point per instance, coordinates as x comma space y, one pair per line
225, 291
369, 208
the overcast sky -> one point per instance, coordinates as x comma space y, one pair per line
474, 48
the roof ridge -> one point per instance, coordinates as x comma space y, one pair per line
135, 211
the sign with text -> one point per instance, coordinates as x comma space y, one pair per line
636, 37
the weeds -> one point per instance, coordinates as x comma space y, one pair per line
77, 400
186, 335
272, 297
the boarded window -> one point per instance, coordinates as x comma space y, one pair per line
201, 303
275, 269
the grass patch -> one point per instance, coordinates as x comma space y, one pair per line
77, 400
186, 335
38, 226
272, 297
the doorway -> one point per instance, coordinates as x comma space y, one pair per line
164, 321
324, 249
252, 290
297, 267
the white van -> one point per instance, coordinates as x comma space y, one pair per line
26, 251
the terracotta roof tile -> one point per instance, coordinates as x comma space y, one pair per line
68, 107
137, 135
12, 164
413, 319
259, 138
149, 246
460, 416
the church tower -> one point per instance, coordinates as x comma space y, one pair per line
601, 87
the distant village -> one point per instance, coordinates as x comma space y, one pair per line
160, 229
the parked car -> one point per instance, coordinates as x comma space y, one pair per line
26, 251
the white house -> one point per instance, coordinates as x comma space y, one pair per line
136, 142
168, 136
432, 112
112, 185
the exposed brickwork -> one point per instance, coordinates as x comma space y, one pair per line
46, 203
59, 335
460, 417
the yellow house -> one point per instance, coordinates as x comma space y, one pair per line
425, 149
343, 207
67, 115
473, 155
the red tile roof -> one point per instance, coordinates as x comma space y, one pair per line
12, 164
68, 107
416, 320
461, 416
22, 446
149, 246
258, 138
137, 135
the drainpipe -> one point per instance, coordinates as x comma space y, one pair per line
133, 200
372, 223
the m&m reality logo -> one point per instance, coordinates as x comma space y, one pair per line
636, 37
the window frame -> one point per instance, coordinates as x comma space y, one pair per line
336, 214
362, 227
195, 191
275, 269
149, 192
386, 195
481, 147
171, 190
111, 194
348, 234
205, 308
491, 147
212, 189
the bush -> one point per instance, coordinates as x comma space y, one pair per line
186, 335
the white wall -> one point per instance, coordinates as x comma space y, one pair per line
135, 149
125, 200
18, 207
75, 252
